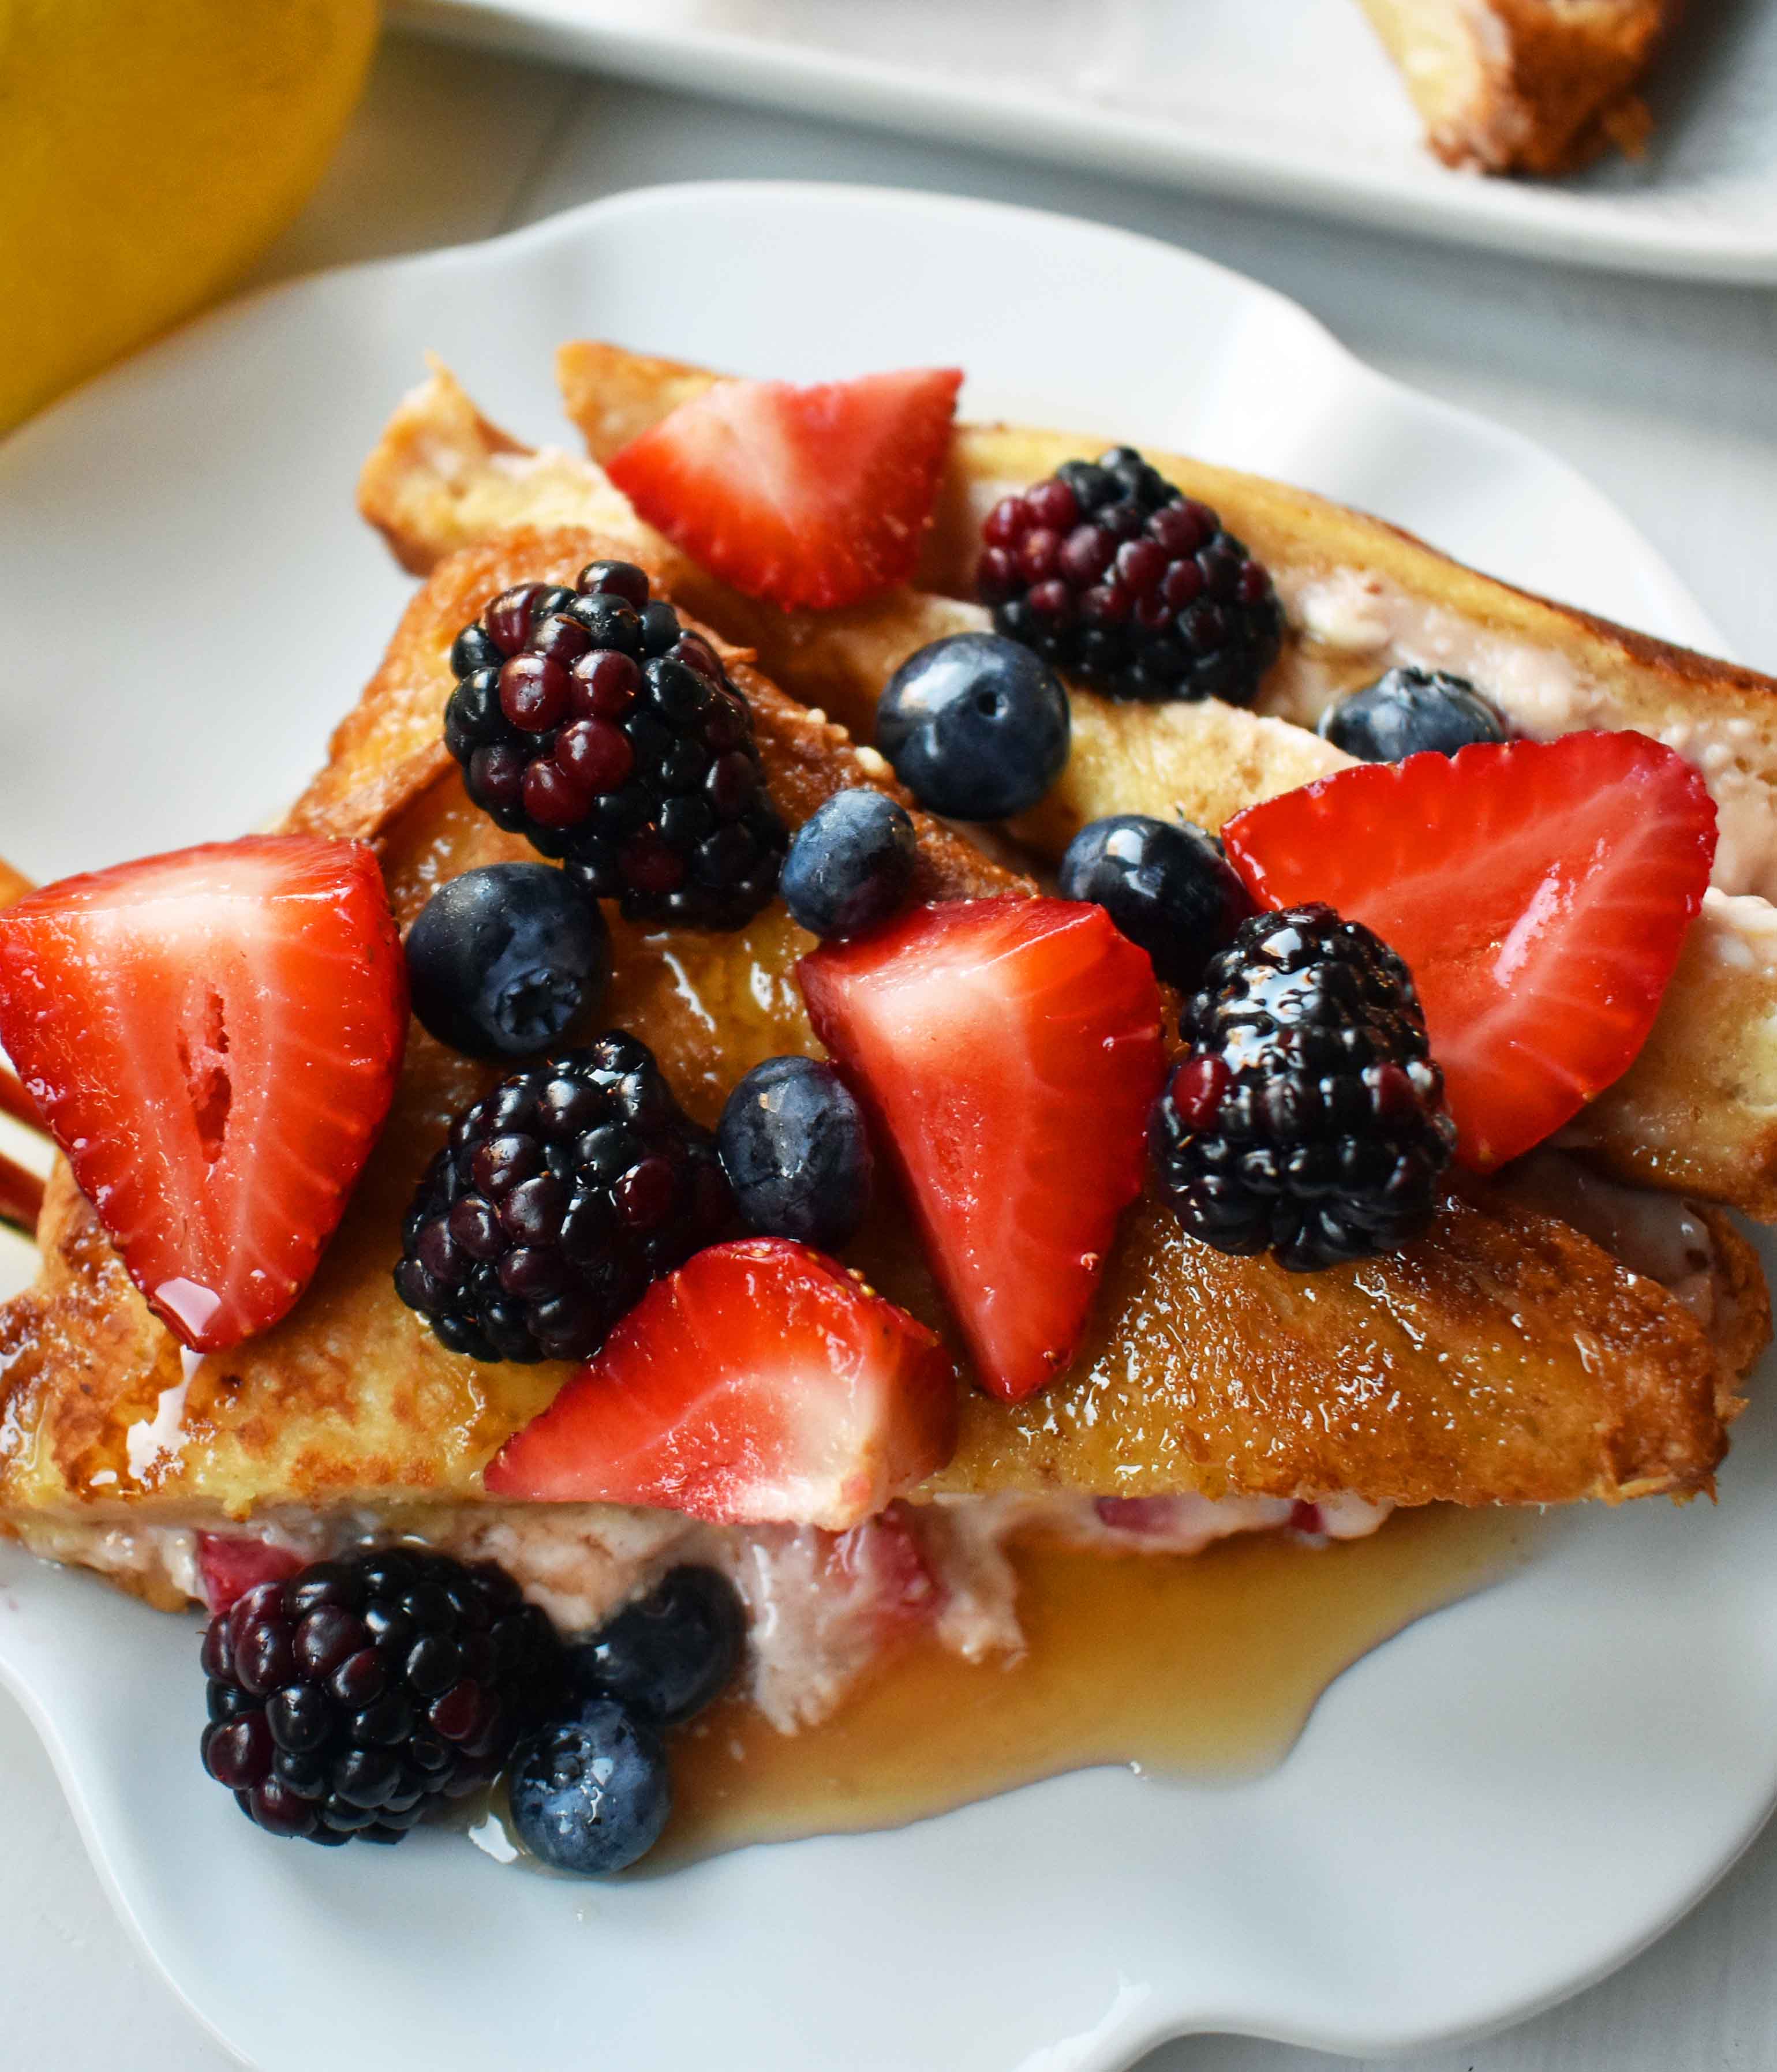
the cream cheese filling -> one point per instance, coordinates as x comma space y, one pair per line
1351, 616
821, 1607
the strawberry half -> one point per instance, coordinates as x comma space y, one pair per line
761, 1384
806, 496
1010, 1051
1539, 892
213, 1038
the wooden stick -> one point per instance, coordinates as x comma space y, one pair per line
15, 1102
21, 1196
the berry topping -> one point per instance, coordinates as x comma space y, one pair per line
213, 1038
1009, 1051
670, 1654
850, 864
559, 1197
806, 496
358, 1695
506, 960
590, 721
1118, 579
793, 1144
761, 1384
230, 1564
1308, 1118
1539, 892
1166, 884
591, 1795
1407, 711
976, 726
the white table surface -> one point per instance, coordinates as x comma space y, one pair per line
1665, 394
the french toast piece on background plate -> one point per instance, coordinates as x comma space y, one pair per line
1697, 1111
1505, 1358
1530, 86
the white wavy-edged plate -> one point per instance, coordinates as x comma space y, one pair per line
1486, 1813
1290, 102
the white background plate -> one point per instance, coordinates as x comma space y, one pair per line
1482, 1815
1267, 101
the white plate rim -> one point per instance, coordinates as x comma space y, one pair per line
1538, 220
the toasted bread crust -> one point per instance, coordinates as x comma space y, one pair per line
1565, 1375
1240, 1376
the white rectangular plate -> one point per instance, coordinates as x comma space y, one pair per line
1288, 101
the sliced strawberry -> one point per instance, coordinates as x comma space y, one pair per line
1539, 892
230, 1564
760, 1383
806, 496
883, 1563
213, 1038
1009, 1051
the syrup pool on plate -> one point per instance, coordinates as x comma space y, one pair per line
1202, 1667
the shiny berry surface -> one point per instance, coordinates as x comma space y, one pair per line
670, 1654
591, 1795
976, 726
359, 1695
1307, 1118
559, 1196
794, 1144
850, 864
1164, 883
506, 960
1406, 711
593, 723
1108, 572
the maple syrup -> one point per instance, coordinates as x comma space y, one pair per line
1203, 1666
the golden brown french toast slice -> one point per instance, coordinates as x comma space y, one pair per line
1506, 1359
1523, 86
1696, 1113
1359, 595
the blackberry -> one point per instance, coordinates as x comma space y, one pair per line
559, 1196
1118, 579
590, 721
360, 1695
1309, 1118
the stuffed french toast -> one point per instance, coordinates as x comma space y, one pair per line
806, 1164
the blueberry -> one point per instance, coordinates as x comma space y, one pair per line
505, 960
850, 864
591, 1795
793, 1141
976, 726
1165, 885
1407, 710
667, 1655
